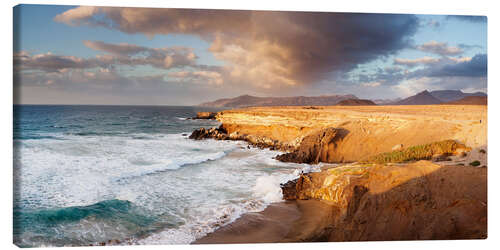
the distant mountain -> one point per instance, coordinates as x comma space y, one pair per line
453, 95
470, 100
252, 101
422, 98
356, 102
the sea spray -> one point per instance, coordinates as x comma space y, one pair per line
268, 189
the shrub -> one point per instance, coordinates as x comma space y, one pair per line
415, 153
475, 163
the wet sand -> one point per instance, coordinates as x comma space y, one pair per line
290, 221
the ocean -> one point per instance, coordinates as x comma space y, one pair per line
86, 175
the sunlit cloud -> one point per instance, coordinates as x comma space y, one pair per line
440, 48
297, 49
417, 61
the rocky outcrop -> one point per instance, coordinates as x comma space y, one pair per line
221, 133
213, 133
205, 115
315, 148
417, 201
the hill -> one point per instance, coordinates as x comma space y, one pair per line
355, 102
470, 100
453, 95
253, 101
422, 98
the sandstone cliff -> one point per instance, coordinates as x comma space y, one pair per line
360, 131
418, 201
384, 196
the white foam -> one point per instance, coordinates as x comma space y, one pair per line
268, 189
219, 180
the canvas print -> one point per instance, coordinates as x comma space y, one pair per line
140, 126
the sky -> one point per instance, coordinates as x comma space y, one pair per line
161, 56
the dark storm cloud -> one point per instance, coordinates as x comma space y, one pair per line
476, 67
445, 72
267, 48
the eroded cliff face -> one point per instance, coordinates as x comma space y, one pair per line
360, 131
417, 201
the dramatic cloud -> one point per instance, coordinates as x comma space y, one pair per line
441, 49
49, 62
264, 48
116, 49
475, 67
130, 54
443, 73
118, 54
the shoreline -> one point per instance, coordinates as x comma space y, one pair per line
286, 221
332, 206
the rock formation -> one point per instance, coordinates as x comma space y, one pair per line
365, 130
383, 195
205, 115
214, 133
315, 148
413, 202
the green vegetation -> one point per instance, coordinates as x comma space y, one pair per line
475, 163
482, 151
415, 153
354, 170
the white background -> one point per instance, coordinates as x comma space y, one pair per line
471, 7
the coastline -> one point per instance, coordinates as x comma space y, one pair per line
287, 221
316, 215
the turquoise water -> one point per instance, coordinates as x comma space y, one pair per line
128, 174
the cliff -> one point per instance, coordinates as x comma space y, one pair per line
418, 201
381, 190
361, 131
